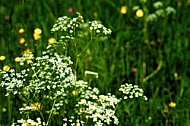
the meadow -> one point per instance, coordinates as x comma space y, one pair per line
114, 54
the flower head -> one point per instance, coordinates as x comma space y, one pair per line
123, 10
36, 106
27, 51
172, 104
37, 31
70, 10
22, 40
6, 68
139, 13
51, 40
21, 30
17, 59
36, 36
2, 58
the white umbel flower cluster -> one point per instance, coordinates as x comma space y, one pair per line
131, 91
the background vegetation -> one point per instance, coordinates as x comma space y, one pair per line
152, 54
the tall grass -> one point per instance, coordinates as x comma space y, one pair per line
153, 55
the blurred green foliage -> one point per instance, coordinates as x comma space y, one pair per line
135, 50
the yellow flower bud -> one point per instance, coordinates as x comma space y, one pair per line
22, 40
166, 109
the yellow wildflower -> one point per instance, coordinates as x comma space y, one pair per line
6, 68
17, 59
172, 104
51, 40
36, 36
22, 40
21, 30
123, 10
38, 31
139, 13
28, 124
27, 51
78, 124
166, 109
36, 106
2, 58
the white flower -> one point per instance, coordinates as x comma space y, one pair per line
170, 10
158, 4
151, 17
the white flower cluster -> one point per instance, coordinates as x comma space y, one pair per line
130, 91
76, 27
71, 122
158, 4
49, 77
14, 81
101, 111
29, 122
68, 25
99, 28
160, 12
27, 108
90, 93
170, 10
27, 58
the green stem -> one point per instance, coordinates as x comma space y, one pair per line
51, 111
155, 71
84, 48
145, 42
42, 115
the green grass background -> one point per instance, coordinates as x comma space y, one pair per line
165, 40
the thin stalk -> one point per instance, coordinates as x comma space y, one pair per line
84, 48
145, 42
42, 115
51, 111
155, 71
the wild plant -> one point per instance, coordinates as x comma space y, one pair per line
48, 88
